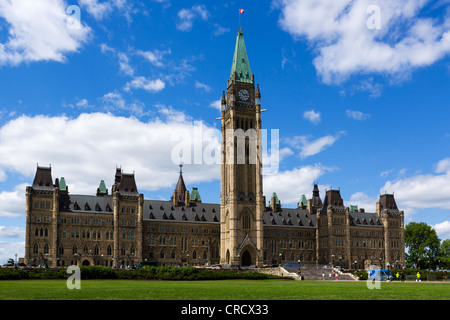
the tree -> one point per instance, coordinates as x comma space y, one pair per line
444, 255
422, 243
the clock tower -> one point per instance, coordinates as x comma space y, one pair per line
241, 200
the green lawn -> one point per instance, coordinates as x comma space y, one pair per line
220, 290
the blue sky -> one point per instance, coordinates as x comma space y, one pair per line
358, 106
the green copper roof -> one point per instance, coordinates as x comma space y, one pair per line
274, 195
302, 200
62, 184
102, 187
241, 64
195, 195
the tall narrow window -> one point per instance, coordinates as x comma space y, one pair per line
246, 221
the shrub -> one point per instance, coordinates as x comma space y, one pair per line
145, 273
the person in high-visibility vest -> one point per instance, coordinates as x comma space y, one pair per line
418, 276
397, 275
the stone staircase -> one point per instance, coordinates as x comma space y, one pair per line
317, 274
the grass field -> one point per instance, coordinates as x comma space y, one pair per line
220, 290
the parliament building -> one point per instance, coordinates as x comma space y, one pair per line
120, 228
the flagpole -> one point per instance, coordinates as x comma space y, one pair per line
240, 11
239, 20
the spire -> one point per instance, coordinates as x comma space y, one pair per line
241, 65
179, 193
223, 102
316, 201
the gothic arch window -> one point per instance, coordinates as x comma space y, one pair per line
74, 250
36, 232
132, 250
150, 253
46, 248
61, 249
109, 251
194, 255
85, 249
35, 248
246, 221
96, 250
123, 250
172, 254
161, 254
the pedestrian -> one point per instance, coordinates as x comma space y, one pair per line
329, 276
323, 275
418, 277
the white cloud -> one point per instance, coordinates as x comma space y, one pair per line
115, 102
155, 57
202, 86
87, 149
443, 166
145, 84
357, 115
374, 89
312, 116
13, 202
8, 250
362, 200
122, 59
12, 232
443, 229
309, 147
39, 31
217, 104
291, 184
186, 17
424, 190
344, 45
220, 30
101, 10
98, 10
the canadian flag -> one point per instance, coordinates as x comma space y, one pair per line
241, 11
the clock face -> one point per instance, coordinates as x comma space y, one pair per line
243, 94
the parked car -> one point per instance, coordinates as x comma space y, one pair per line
382, 275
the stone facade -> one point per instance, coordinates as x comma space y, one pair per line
121, 228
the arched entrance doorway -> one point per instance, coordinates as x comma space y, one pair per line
85, 263
246, 258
